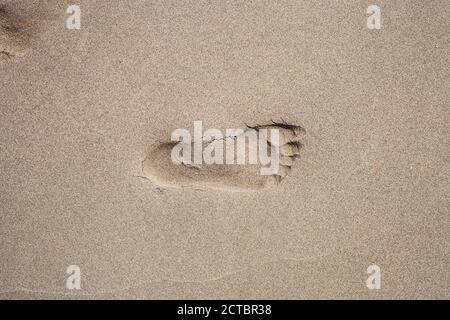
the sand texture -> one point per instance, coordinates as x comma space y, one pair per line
86, 118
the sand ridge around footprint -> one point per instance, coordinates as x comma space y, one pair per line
163, 172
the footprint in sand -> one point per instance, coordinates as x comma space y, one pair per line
15, 37
22, 24
163, 172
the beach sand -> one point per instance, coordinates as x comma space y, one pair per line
81, 110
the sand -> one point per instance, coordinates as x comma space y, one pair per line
81, 110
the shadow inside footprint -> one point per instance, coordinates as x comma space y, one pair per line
160, 168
